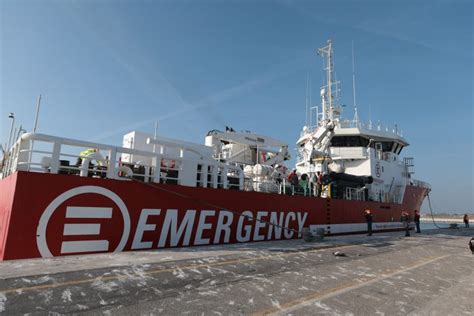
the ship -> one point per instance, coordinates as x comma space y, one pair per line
62, 196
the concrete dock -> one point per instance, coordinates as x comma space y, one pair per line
387, 274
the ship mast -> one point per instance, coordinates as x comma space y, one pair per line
328, 108
307, 100
356, 115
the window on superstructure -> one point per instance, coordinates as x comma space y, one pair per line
387, 146
349, 141
394, 147
399, 149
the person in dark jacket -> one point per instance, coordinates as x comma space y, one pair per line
417, 221
466, 220
319, 182
369, 218
294, 181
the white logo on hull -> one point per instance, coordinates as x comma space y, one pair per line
174, 230
194, 227
83, 228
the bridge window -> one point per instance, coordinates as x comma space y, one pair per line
387, 146
399, 149
349, 141
394, 147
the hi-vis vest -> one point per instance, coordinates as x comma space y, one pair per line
89, 151
86, 152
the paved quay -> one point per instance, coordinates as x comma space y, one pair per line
387, 274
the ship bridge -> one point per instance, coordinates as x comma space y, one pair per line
361, 161
353, 142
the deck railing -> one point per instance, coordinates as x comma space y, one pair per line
50, 154
422, 184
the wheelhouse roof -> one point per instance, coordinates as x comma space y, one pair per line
377, 135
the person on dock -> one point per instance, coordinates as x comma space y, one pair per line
405, 219
466, 220
369, 219
417, 221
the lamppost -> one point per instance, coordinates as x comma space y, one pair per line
11, 116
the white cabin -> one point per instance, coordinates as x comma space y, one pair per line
345, 150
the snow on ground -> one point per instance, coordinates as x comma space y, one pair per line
3, 299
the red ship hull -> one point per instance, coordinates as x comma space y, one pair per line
43, 215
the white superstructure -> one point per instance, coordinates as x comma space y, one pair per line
341, 149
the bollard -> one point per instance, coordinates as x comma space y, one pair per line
307, 235
320, 234
310, 236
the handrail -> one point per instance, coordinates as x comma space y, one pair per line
420, 183
51, 154
29, 154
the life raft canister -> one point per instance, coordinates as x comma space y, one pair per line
124, 171
168, 164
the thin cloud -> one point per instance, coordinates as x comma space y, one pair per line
160, 83
212, 100
378, 30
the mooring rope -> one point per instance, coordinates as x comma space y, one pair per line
431, 210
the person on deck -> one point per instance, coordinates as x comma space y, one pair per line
83, 154
319, 182
293, 179
417, 221
98, 166
369, 218
466, 220
304, 183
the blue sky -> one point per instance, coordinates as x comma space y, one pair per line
107, 67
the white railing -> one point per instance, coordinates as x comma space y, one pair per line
422, 184
354, 194
386, 129
50, 154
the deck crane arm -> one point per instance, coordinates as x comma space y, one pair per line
316, 144
321, 140
241, 143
